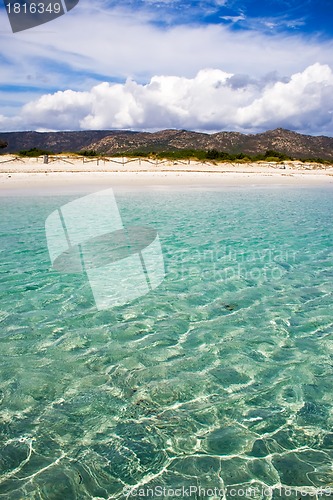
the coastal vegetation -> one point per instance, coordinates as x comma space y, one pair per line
89, 153
210, 155
215, 155
34, 152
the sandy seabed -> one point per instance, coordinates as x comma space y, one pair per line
68, 174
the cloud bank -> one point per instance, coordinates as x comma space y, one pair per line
212, 100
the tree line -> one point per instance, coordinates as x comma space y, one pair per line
215, 155
182, 154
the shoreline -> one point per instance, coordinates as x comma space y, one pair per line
24, 176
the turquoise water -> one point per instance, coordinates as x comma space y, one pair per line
218, 384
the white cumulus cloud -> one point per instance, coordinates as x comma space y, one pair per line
211, 100
304, 103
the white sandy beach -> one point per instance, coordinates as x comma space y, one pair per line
20, 175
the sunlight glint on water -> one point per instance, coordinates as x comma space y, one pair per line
220, 378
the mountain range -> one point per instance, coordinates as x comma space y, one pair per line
110, 142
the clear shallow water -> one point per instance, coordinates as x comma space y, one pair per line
220, 378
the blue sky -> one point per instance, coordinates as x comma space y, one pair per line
308, 16
212, 65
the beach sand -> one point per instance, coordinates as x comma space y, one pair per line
68, 174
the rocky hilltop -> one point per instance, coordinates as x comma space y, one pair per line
56, 142
111, 142
281, 140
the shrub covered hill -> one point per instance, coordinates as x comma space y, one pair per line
108, 142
